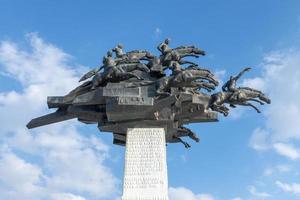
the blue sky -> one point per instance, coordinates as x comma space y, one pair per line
47, 45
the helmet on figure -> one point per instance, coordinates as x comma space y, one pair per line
120, 46
167, 40
109, 54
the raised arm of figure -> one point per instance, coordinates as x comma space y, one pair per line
242, 72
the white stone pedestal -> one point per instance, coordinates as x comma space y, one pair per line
145, 176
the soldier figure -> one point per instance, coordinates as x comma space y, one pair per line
156, 67
176, 68
107, 61
164, 47
118, 51
230, 86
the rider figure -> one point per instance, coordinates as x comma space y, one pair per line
118, 51
164, 46
176, 68
230, 86
108, 60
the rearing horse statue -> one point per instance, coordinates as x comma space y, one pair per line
189, 77
241, 97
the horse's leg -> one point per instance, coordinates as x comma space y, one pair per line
143, 67
182, 62
205, 86
192, 135
225, 110
256, 100
220, 109
263, 98
251, 105
188, 54
97, 81
121, 68
204, 75
183, 131
186, 145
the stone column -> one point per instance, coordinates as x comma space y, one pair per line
145, 176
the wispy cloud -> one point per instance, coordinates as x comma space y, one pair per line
262, 195
157, 32
287, 150
291, 188
57, 163
237, 198
259, 139
281, 81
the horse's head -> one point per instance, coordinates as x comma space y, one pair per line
264, 98
202, 52
214, 80
203, 74
250, 93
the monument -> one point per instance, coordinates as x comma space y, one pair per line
144, 108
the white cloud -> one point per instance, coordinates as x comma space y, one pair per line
281, 81
283, 168
43, 71
66, 196
157, 32
258, 140
20, 178
261, 195
180, 193
278, 169
287, 150
268, 172
257, 83
237, 198
46, 163
292, 188
220, 75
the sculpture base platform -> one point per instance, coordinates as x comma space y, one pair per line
145, 176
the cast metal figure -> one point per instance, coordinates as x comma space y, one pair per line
164, 46
230, 85
118, 51
135, 88
241, 96
188, 77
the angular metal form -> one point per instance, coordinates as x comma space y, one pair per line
133, 91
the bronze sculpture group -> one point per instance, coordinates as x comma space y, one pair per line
132, 89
